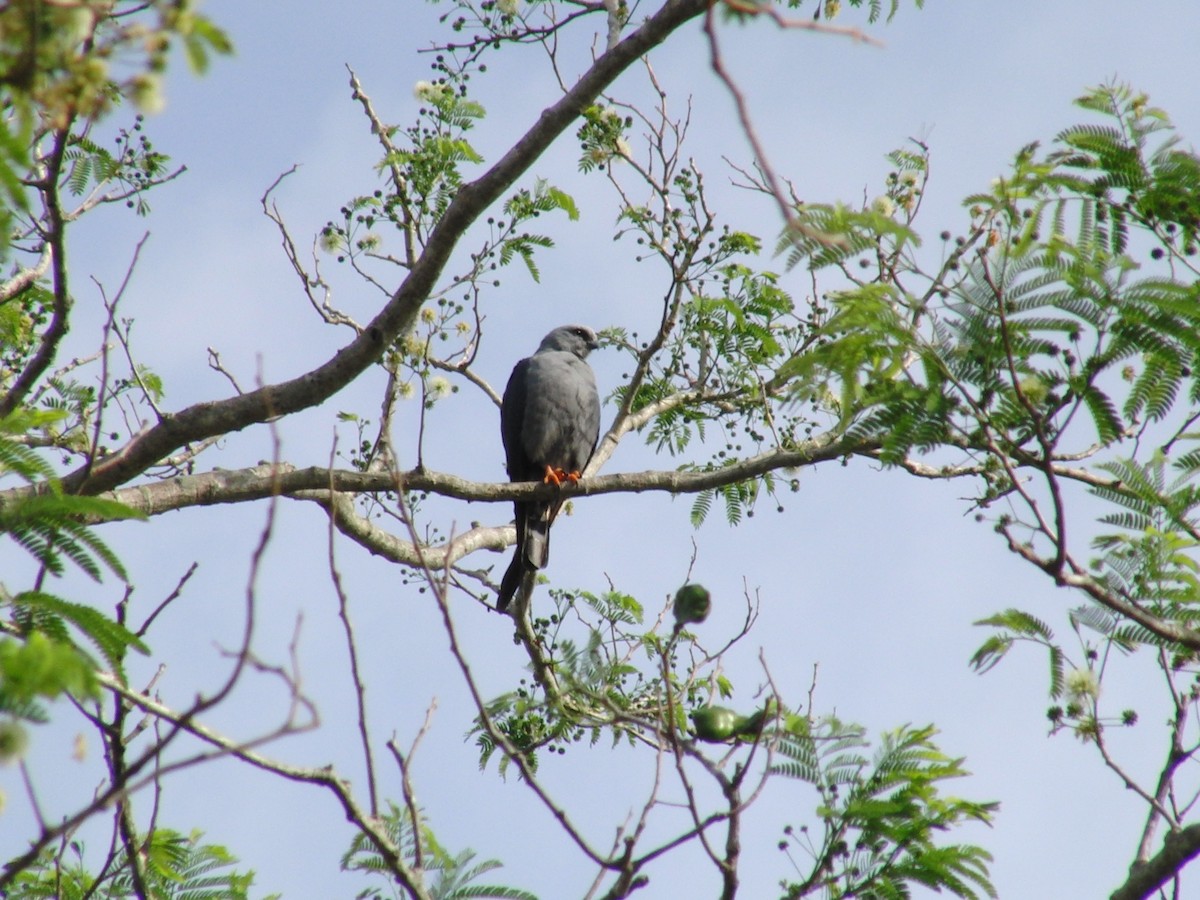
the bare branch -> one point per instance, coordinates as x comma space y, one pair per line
762, 162
405, 765
309, 283
360, 689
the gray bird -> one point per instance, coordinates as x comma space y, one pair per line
550, 422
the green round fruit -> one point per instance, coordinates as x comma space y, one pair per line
716, 724
692, 604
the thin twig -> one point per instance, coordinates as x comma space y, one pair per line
360, 688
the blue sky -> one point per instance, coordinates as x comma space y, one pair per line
871, 576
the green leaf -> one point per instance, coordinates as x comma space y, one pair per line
701, 507
450, 877
200, 36
39, 666
1019, 622
889, 809
49, 527
111, 638
564, 201
990, 653
1107, 420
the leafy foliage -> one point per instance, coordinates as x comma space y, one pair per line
453, 876
888, 808
880, 816
34, 611
49, 525
602, 137
174, 867
1151, 559
41, 658
597, 683
1014, 625
131, 170
1021, 337
526, 205
41, 667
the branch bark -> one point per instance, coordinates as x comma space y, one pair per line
1145, 878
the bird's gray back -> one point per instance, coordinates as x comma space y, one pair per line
562, 410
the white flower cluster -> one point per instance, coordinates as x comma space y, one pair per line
330, 241
428, 92
1082, 684
883, 205
146, 92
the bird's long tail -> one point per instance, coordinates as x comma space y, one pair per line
537, 536
533, 548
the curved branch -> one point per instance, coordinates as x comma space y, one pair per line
379, 542
627, 421
235, 413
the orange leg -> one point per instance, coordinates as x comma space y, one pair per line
554, 476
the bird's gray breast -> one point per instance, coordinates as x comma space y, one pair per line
562, 411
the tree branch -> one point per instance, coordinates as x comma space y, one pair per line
1077, 578
1145, 878
55, 243
266, 480
379, 542
25, 277
221, 486
323, 776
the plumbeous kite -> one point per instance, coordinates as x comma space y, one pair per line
550, 422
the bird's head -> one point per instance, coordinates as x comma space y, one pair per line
577, 339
